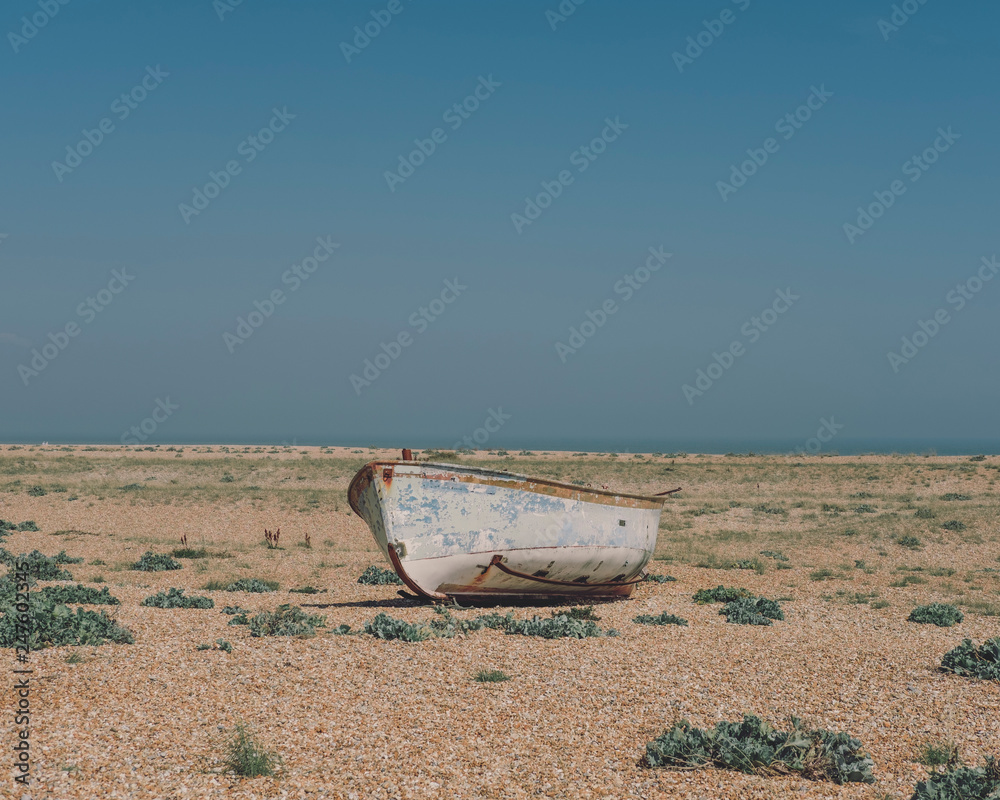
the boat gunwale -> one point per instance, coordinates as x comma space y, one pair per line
481, 471
513, 550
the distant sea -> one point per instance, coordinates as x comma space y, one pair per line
845, 446
841, 445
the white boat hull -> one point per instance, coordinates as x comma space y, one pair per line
462, 532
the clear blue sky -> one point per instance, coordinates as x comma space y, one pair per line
342, 117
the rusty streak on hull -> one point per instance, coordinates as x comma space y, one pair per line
463, 532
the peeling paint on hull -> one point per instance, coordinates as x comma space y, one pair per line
462, 532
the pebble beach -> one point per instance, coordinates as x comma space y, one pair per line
352, 716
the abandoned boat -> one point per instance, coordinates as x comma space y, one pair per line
465, 533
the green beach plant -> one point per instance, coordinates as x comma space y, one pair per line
40, 566
938, 753
753, 746
651, 578
287, 620
175, 598
246, 756
155, 562
559, 626
962, 783
377, 576
752, 611
659, 619
491, 676
721, 594
79, 595
941, 614
388, 628
972, 662
52, 624
253, 585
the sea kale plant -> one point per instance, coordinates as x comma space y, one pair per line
969, 661
80, 595
720, 594
52, 624
445, 626
752, 611
659, 619
253, 585
962, 783
174, 598
155, 562
287, 620
741, 606
377, 576
386, 627
651, 578
41, 566
941, 614
559, 626
754, 746
579, 612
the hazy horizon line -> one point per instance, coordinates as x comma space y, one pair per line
944, 446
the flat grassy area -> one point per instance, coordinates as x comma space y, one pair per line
833, 518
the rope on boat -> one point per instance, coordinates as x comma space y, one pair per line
497, 561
